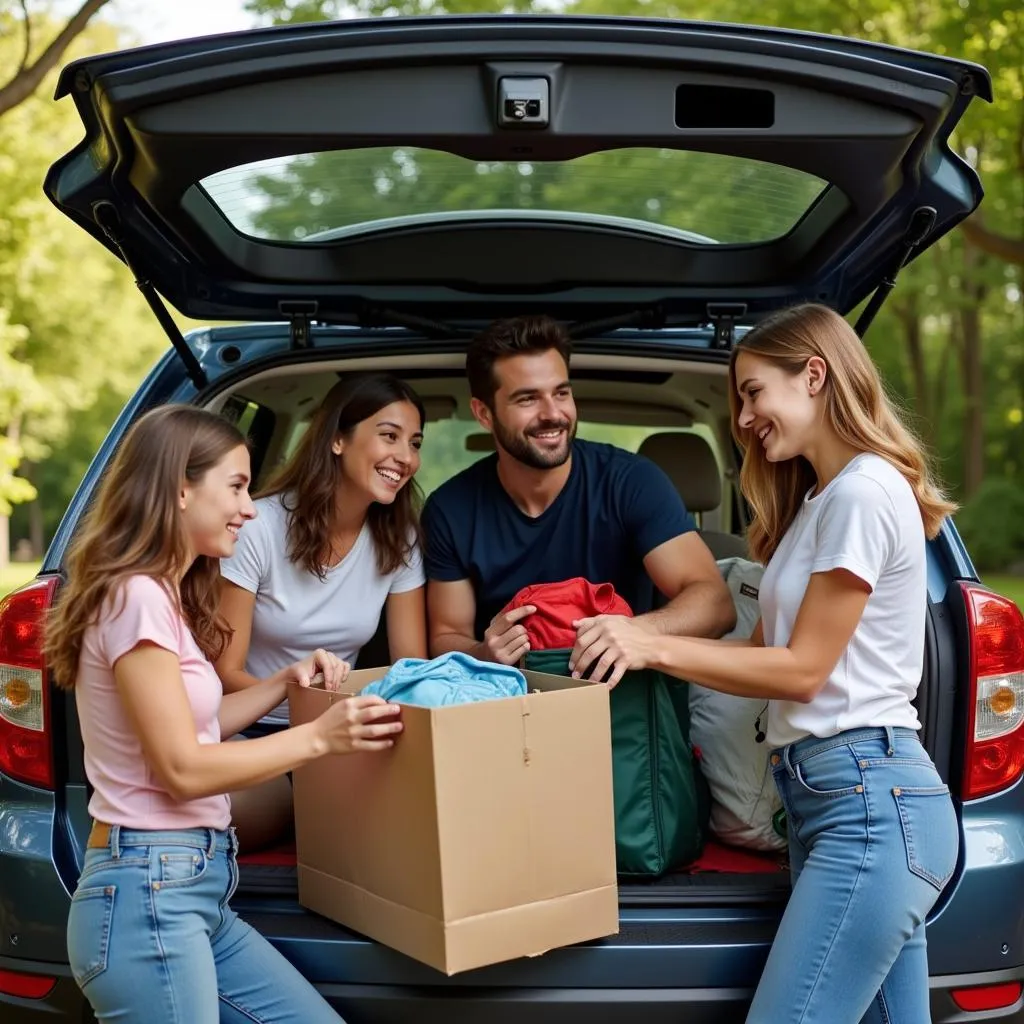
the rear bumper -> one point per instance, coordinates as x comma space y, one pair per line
384, 1004
381, 1005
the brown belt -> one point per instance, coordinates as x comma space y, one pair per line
99, 836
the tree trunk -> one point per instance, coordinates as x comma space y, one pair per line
910, 320
1003, 247
36, 529
5, 542
973, 377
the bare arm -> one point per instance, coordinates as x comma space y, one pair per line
407, 624
700, 605
831, 608
149, 684
241, 709
452, 613
237, 605
756, 639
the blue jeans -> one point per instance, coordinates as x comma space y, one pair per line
873, 840
152, 940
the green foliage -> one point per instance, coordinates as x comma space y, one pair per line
72, 324
992, 525
75, 338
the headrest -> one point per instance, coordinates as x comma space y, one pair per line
479, 442
690, 464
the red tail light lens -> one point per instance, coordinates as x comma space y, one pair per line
995, 736
987, 997
26, 749
26, 986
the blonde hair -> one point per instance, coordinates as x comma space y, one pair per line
857, 406
134, 527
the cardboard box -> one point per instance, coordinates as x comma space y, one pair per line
486, 833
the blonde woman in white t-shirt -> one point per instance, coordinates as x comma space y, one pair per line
335, 543
842, 507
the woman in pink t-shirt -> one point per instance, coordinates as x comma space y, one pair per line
151, 936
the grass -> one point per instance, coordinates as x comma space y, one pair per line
15, 575
1008, 586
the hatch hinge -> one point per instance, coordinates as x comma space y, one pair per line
921, 224
300, 313
109, 220
723, 316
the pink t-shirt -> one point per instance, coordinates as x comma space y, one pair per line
127, 790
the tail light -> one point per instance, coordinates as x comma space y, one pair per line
26, 748
987, 997
995, 730
26, 986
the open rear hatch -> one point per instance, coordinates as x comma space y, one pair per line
453, 169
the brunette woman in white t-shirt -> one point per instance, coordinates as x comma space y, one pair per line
151, 934
843, 504
334, 544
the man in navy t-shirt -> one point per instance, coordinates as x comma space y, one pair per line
547, 507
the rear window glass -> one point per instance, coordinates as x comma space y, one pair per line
705, 198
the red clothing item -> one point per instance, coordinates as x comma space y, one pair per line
559, 605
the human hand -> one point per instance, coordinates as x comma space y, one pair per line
358, 723
320, 663
504, 640
614, 642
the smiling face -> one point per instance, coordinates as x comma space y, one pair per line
381, 454
782, 411
215, 507
533, 417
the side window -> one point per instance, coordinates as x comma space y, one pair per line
447, 450
257, 423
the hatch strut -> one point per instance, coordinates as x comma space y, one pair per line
921, 223
724, 316
110, 221
646, 318
381, 316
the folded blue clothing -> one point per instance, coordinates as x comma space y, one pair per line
454, 678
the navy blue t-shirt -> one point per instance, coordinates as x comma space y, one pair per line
615, 508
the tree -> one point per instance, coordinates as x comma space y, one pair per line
72, 325
33, 67
954, 311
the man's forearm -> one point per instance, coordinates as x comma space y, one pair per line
443, 643
701, 610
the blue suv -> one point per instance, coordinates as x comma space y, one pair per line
368, 194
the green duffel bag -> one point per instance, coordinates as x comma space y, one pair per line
661, 798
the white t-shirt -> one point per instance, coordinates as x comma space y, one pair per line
296, 612
868, 522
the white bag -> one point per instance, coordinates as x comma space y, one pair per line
735, 764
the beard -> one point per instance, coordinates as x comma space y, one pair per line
524, 449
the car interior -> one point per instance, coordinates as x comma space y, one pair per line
673, 411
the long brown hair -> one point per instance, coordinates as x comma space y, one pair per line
857, 406
308, 483
134, 527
